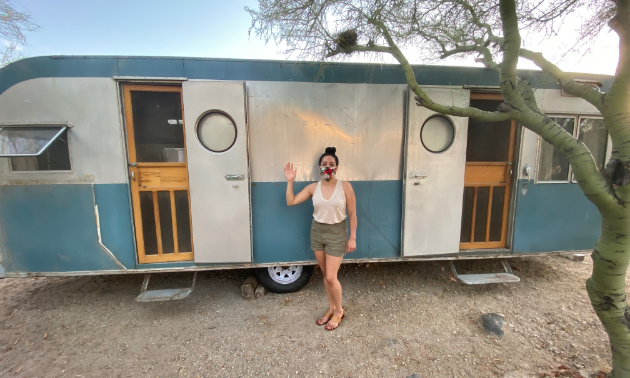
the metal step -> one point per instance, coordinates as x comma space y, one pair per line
487, 278
163, 294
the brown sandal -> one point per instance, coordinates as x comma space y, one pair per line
335, 319
328, 315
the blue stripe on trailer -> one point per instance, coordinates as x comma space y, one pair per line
50, 228
257, 70
554, 217
282, 233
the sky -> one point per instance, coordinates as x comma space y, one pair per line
208, 28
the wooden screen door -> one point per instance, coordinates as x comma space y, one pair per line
158, 172
488, 178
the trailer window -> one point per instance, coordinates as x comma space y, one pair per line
35, 148
216, 131
593, 133
552, 166
437, 134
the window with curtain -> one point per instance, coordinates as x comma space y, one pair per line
552, 166
595, 136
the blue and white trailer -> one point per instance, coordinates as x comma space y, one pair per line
114, 165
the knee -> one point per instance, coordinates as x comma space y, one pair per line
331, 278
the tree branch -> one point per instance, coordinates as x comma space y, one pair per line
422, 99
511, 48
527, 93
569, 85
488, 61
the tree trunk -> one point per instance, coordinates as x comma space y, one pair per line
606, 286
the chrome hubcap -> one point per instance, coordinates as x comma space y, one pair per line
285, 274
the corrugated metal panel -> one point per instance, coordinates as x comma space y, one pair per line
295, 122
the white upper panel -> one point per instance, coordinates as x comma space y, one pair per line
95, 140
295, 122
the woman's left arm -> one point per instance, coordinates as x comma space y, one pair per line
351, 204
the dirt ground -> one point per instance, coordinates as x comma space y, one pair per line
402, 320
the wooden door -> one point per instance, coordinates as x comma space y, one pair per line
158, 172
487, 180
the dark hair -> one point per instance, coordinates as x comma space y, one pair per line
330, 151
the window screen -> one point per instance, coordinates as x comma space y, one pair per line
552, 166
488, 141
158, 129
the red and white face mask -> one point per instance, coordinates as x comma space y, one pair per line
328, 173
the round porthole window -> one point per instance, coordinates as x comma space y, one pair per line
437, 134
216, 131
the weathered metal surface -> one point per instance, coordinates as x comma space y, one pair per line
487, 278
55, 228
163, 294
504, 254
95, 143
295, 122
220, 209
432, 209
563, 207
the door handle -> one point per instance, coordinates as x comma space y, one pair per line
133, 175
235, 177
417, 176
526, 172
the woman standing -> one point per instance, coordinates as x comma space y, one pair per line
329, 234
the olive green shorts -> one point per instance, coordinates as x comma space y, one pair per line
330, 238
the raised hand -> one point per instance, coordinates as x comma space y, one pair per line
290, 172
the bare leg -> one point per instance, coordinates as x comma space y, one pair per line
321, 259
334, 287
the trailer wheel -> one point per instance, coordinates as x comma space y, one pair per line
284, 278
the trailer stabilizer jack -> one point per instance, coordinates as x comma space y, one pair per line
163, 294
486, 278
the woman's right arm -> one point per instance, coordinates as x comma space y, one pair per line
302, 196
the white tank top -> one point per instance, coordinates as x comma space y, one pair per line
333, 210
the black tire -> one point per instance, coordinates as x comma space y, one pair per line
295, 277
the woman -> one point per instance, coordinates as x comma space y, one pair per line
329, 235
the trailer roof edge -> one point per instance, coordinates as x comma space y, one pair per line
262, 70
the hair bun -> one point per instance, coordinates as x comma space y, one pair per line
331, 150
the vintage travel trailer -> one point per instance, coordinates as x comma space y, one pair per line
112, 165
